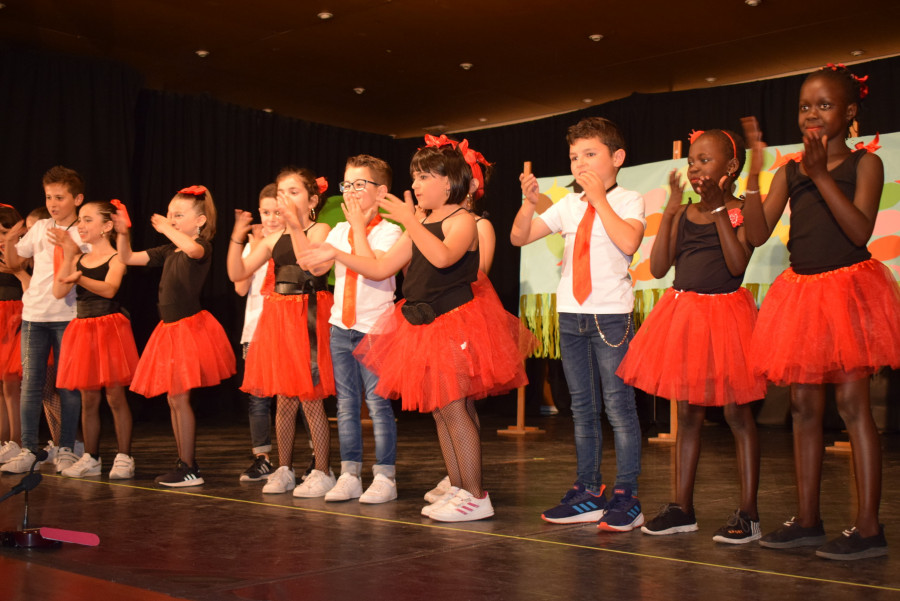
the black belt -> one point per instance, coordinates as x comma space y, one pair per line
421, 313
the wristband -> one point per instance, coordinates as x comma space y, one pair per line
717, 210
238, 243
751, 191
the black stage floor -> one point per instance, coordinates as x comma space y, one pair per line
226, 541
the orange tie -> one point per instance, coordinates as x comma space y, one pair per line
348, 307
57, 259
581, 257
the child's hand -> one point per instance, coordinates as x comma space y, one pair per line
318, 254
593, 186
815, 155
356, 217
676, 192
58, 237
121, 211
121, 223
712, 194
288, 211
242, 221
159, 223
530, 188
14, 233
753, 138
72, 278
401, 211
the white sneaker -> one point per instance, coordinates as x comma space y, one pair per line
317, 484
85, 466
51, 452
21, 463
9, 450
123, 467
451, 492
348, 487
382, 490
65, 459
463, 507
280, 481
438, 491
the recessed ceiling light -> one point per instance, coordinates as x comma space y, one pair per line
202, 53
587, 100
857, 52
325, 15
359, 90
465, 66
752, 2
267, 110
482, 119
710, 79
595, 37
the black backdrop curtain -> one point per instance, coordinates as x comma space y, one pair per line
143, 145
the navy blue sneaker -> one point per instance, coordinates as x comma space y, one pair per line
579, 505
623, 514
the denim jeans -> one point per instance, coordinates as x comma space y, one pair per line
351, 380
259, 413
590, 365
38, 338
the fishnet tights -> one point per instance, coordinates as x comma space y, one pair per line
315, 422
457, 426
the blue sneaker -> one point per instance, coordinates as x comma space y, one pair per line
579, 505
623, 514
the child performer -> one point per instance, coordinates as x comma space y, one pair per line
443, 346
98, 349
188, 349
260, 408
290, 355
693, 347
834, 315
44, 317
603, 227
11, 283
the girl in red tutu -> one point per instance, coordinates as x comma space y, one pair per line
11, 282
449, 342
188, 349
289, 355
97, 349
692, 348
834, 315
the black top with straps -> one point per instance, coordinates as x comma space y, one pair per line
91, 304
290, 278
10, 287
699, 262
181, 281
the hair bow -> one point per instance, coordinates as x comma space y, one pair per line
321, 184
871, 146
475, 159
439, 141
695, 133
194, 190
121, 211
5, 206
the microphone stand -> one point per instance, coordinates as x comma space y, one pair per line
28, 538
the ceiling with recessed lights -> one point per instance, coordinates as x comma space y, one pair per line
405, 67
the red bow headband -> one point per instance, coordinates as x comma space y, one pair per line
3, 206
863, 88
697, 133
194, 190
474, 158
321, 184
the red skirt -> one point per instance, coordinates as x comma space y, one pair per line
10, 340
97, 352
279, 358
189, 353
830, 327
474, 351
693, 347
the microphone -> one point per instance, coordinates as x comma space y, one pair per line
40, 455
27, 483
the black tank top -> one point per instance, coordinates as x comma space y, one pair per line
700, 263
426, 283
90, 304
10, 287
287, 272
817, 243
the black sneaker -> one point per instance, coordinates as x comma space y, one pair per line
184, 475
851, 545
260, 470
671, 519
740, 529
578, 506
791, 534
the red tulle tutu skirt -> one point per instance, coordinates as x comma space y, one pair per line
278, 361
693, 347
474, 351
830, 327
97, 352
189, 353
10, 340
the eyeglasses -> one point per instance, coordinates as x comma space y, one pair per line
359, 185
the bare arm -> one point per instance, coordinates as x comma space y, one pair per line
11, 254
625, 234
759, 218
373, 268
487, 242
123, 243
185, 243
107, 288
662, 255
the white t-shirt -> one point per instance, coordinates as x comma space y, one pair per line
38, 302
611, 289
254, 299
373, 298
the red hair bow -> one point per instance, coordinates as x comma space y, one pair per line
694, 135
439, 141
475, 159
321, 184
871, 146
194, 190
4, 206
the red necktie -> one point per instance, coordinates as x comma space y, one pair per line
348, 307
581, 257
57, 259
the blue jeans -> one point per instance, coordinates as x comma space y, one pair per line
590, 365
38, 338
351, 380
259, 413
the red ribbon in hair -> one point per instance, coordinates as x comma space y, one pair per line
321, 184
475, 159
4, 206
439, 141
121, 210
870, 147
194, 190
863, 88
697, 133
694, 135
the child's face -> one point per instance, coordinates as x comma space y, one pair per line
823, 110
269, 216
294, 190
91, 225
590, 154
61, 204
707, 157
368, 197
431, 190
184, 217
